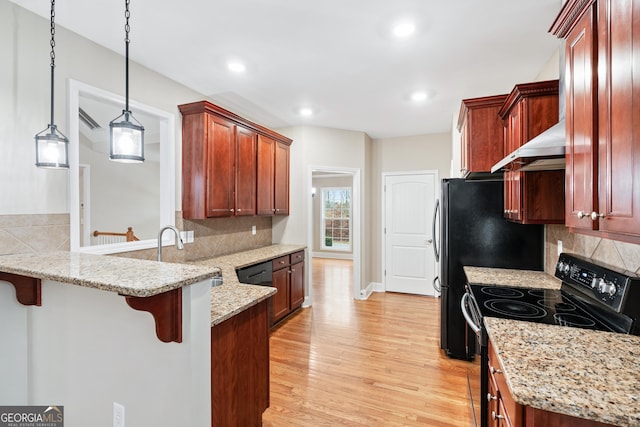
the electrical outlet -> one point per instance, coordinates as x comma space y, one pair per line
253, 230
118, 415
190, 236
559, 247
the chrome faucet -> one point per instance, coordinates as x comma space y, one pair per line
179, 242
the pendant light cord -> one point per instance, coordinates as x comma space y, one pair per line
126, 41
53, 53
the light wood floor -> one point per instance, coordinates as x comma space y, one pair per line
377, 362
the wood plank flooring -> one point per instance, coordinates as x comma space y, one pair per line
377, 362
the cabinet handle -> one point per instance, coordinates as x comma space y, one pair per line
495, 416
494, 370
595, 216
490, 397
580, 214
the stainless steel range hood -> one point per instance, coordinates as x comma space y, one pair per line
544, 152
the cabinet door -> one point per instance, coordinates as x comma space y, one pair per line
512, 182
220, 167
281, 186
240, 368
581, 172
280, 301
246, 169
619, 116
266, 176
297, 284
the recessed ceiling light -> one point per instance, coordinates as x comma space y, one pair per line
404, 29
419, 96
305, 111
236, 67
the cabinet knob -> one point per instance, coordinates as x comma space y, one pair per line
239, 210
495, 416
595, 216
293, 270
491, 397
230, 210
580, 214
277, 210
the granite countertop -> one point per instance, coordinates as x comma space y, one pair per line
234, 297
126, 276
578, 372
511, 278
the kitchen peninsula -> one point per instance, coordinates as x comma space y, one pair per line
84, 336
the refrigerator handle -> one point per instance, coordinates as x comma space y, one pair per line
434, 229
436, 287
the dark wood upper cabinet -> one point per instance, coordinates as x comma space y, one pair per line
246, 171
603, 106
226, 169
221, 160
482, 136
281, 179
531, 197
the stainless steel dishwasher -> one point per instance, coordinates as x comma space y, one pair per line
258, 274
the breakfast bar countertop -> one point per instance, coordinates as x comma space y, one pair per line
511, 278
577, 372
233, 297
126, 276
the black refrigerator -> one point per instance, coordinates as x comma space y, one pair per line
473, 232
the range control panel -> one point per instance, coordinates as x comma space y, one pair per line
603, 283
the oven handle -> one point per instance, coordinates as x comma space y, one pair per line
467, 317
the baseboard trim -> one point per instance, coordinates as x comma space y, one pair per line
332, 255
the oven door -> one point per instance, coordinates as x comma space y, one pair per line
471, 313
476, 375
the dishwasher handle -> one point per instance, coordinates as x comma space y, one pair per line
464, 303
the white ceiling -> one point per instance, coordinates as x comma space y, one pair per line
336, 56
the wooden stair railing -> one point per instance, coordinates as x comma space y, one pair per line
129, 235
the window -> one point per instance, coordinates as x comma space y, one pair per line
336, 219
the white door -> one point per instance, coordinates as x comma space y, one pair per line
409, 201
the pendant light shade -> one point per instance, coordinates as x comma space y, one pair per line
126, 134
52, 147
126, 139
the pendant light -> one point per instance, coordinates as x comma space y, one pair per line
126, 134
52, 147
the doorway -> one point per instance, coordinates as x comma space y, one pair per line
334, 220
409, 264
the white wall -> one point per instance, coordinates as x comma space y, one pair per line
412, 153
100, 350
24, 104
123, 195
323, 147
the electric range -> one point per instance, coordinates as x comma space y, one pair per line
592, 295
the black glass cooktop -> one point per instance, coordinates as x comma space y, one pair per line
550, 306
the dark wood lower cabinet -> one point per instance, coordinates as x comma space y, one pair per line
504, 411
288, 279
240, 368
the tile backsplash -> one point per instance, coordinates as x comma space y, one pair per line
213, 237
618, 254
34, 233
